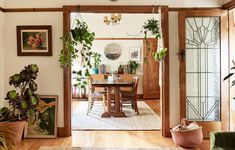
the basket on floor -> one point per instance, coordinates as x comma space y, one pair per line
188, 138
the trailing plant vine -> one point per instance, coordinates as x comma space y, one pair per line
77, 44
151, 26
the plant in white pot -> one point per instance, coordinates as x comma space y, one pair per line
23, 102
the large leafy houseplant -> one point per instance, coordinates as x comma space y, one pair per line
23, 102
151, 28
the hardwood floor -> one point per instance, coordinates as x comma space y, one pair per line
154, 105
109, 139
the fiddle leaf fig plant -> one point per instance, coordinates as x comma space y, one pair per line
23, 100
151, 28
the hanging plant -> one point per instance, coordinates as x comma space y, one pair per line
152, 28
80, 37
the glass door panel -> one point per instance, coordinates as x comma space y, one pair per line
202, 47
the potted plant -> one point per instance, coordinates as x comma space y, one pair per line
77, 47
133, 66
97, 60
151, 27
23, 102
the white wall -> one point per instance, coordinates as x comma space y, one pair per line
59, 3
174, 69
50, 78
2, 59
99, 46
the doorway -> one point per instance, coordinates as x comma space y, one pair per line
165, 64
203, 64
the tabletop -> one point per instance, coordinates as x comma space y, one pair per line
106, 83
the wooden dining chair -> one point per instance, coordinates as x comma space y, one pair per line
94, 96
130, 97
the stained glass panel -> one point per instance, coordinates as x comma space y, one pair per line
202, 68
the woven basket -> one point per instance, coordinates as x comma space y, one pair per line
188, 138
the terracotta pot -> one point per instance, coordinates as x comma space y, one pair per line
12, 131
188, 138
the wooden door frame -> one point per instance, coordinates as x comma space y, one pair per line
224, 64
66, 130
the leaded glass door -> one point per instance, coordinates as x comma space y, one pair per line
201, 67
202, 47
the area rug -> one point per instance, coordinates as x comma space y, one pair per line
87, 148
146, 120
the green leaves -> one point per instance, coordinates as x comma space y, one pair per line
133, 66
160, 54
80, 35
24, 98
97, 59
12, 95
152, 26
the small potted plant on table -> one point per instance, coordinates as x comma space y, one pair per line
23, 102
133, 66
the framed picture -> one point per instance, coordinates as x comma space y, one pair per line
135, 53
43, 124
34, 40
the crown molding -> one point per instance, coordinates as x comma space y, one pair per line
229, 5
2, 9
60, 9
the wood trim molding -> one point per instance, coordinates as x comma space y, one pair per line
182, 75
165, 87
191, 8
113, 8
2, 9
8, 10
229, 5
224, 61
67, 82
165, 65
100, 8
60, 132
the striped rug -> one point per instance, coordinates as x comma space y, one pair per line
147, 120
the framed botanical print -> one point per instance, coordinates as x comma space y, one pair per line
43, 124
34, 40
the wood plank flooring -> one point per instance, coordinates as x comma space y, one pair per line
109, 139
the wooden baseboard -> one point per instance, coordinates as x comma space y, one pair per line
60, 132
139, 96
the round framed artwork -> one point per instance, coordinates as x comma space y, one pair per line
112, 51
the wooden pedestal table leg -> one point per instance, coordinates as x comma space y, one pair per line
108, 113
118, 112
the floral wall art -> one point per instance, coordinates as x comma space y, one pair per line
34, 41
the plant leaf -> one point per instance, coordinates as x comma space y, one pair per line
228, 76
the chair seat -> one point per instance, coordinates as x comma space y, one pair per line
96, 95
127, 94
